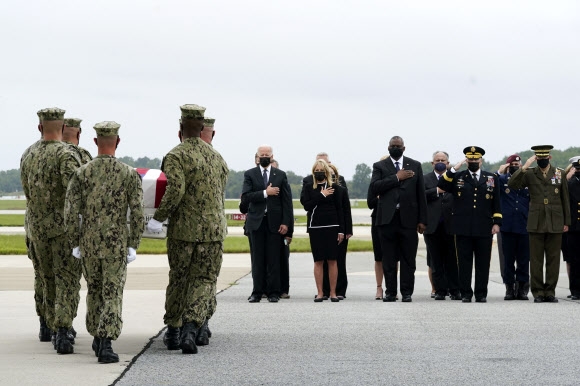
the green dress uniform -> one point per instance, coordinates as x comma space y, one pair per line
549, 212
100, 193
194, 204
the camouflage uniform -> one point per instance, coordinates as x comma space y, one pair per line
101, 192
45, 174
38, 289
194, 203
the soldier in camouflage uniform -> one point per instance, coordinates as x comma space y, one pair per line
100, 193
194, 203
45, 175
45, 333
72, 134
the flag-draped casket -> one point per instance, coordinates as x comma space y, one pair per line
154, 183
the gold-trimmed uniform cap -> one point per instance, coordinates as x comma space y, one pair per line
107, 128
51, 114
191, 111
542, 150
73, 122
208, 122
473, 152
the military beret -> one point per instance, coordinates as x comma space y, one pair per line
51, 114
208, 122
513, 158
192, 111
107, 128
73, 122
542, 150
473, 152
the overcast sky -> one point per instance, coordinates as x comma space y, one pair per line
303, 76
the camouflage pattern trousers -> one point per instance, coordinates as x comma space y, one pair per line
38, 288
193, 272
105, 283
60, 275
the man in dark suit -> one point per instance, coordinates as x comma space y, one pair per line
476, 217
342, 280
270, 213
573, 238
438, 239
401, 213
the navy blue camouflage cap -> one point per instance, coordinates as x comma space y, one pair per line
107, 128
51, 114
191, 111
73, 122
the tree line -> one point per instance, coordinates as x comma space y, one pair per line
357, 186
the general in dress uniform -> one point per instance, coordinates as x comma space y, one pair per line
548, 218
476, 217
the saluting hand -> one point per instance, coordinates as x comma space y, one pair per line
529, 162
458, 166
503, 168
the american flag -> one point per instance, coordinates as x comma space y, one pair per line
154, 183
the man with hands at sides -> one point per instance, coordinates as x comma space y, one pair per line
476, 217
97, 199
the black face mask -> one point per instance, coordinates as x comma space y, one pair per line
320, 176
395, 152
473, 166
264, 162
513, 169
543, 162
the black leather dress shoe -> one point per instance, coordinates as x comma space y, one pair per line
390, 298
465, 300
481, 300
273, 299
539, 299
407, 299
455, 297
550, 299
254, 299
438, 297
574, 297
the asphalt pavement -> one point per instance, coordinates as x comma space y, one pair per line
358, 341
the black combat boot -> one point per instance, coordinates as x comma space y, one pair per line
96, 344
106, 354
207, 328
509, 292
202, 338
171, 338
188, 334
70, 336
44, 334
72, 331
522, 290
63, 345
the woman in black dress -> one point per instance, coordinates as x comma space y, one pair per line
325, 224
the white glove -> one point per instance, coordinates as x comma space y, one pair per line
132, 255
76, 252
154, 226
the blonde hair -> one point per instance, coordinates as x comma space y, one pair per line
327, 171
336, 175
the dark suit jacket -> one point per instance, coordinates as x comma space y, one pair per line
476, 204
279, 207
437, 206
409, 193
574, 191
326, 210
